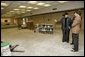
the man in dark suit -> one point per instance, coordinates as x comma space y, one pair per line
66, 24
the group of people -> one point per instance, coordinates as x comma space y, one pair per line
73, 25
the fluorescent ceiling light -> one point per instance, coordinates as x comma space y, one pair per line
22, 6
47, 5
22, 12
4, 4
30, 7
62, 1
16, 9
28, 10
40, 3
7, 13
32, 2
36, 8
11, 11
2, 8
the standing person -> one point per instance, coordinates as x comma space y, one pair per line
55, 23
19, 25
66, 23
75, 28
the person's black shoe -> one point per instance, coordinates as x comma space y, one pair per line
74, 51
71, 43
67, 42
63, 41
73, 48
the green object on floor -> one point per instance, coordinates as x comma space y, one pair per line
3, 44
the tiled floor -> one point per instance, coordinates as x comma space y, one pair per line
38, 44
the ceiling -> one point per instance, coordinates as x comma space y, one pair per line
9, 9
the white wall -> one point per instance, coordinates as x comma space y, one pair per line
60, 7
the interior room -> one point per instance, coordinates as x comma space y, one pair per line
33, 28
